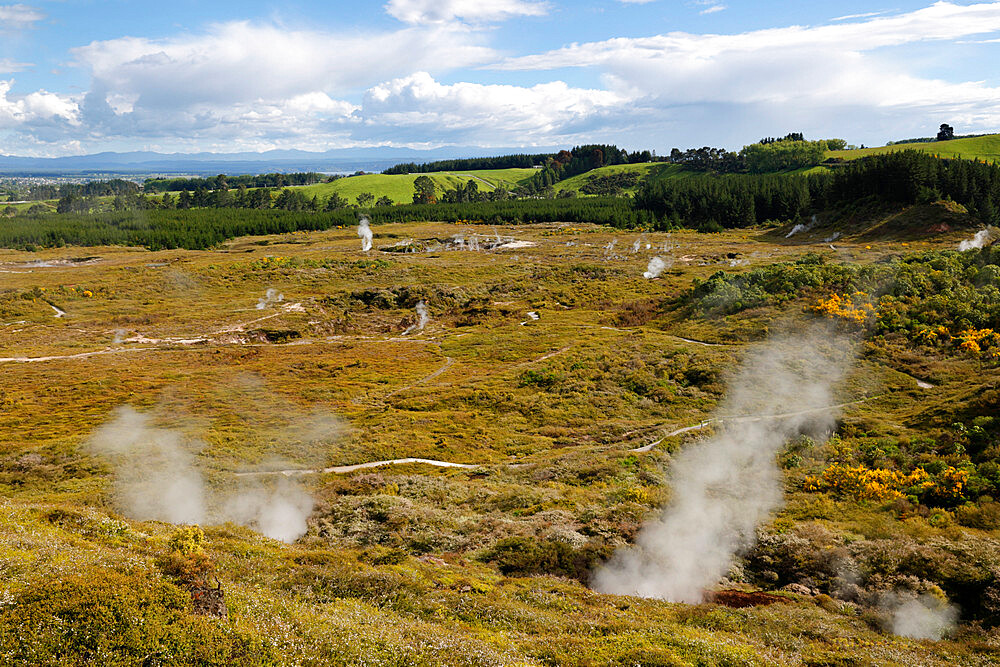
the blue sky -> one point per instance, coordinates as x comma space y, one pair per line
82, 76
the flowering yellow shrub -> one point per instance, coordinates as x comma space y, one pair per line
933, 335
975, 341
950, 484
863, 483
266, 263
854, 308
882, 485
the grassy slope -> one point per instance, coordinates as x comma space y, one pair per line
654, 171
399, 187
321, 600
984, 148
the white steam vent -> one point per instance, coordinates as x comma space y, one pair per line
365, 234
725, 486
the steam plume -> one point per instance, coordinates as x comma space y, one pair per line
655, 267
157, 478
423, 317
725, 486
668, 243
798, 229
365, 234
924, 618
155, 473
278, 513
980, 240
271, 296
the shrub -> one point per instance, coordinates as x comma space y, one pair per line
109, 618
521, 556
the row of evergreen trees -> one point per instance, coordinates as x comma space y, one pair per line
611, 155
910, 177
566, 164
117, 186
728, 200
903, 178
202, 228
731, 200
224, 182
517, 161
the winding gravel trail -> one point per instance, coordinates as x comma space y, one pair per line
343, 470
743, 419
448, 362
81, 355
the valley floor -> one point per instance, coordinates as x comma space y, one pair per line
278, 369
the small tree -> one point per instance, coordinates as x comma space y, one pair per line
335, 202
424, 191
384, 200
946, 133
365, 199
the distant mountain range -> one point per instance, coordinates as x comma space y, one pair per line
146, 162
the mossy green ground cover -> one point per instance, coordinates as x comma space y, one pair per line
391, 570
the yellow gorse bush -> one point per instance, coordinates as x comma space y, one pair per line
854, 308
863, 483
933, 335
975, 341
882, 485
187, 541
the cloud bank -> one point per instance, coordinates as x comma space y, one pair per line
438, 78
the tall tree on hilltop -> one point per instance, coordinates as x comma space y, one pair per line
424, 191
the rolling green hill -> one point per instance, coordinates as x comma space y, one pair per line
650, 170
399, 188
984, 148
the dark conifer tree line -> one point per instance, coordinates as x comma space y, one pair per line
117, 186
224, 182
709, 202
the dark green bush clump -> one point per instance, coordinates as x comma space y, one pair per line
522, 556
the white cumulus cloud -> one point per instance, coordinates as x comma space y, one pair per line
36, 107
821, 76
420, 108
19, 16
471, 11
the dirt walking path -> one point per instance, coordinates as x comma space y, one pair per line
343, 470
743, 419
448, 362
